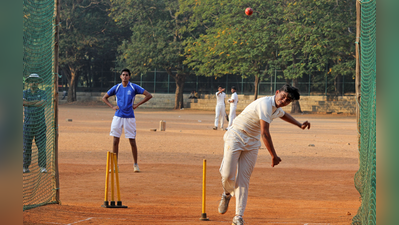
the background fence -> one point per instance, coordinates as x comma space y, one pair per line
158, 81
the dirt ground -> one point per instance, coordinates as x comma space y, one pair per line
312, 184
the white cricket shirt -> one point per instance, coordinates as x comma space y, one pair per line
234, 97
220, 98
261, 109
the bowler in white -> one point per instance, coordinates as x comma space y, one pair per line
242, 142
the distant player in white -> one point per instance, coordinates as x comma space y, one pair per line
233, 105
242, 141
220, 108
125, 93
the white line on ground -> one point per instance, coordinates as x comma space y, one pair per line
81, 221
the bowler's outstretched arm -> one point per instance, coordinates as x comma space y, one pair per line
288, 118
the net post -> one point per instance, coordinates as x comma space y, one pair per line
358, 75
55, 68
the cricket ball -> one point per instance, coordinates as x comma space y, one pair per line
249, 11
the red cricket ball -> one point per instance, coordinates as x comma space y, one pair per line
249, 11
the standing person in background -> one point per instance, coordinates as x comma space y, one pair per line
233, 106
124, 112
34, 127
220, 108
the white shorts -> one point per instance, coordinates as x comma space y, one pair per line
129, 124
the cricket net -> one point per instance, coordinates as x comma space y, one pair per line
365, 178
39, 122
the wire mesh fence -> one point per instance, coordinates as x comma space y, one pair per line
158, 81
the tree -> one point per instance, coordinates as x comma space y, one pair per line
231, 42
87, 38
156, 41
314, 35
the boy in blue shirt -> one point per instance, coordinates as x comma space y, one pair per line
125, 93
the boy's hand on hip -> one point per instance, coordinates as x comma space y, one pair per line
275, 161
115, 107
304, 125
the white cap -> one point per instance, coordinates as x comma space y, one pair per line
34, 75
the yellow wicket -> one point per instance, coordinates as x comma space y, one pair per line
112, 165
203, 215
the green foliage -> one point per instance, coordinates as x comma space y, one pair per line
88, 40
156, 41
232, 42
307, 36
314, 35
209, 37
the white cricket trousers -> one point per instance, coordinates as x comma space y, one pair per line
232, 115
239, 158
220, 113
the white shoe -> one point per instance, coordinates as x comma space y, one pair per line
238, 220
43, 170
224, 203
136, 168
114, 170
25, 170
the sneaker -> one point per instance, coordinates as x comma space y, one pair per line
224, 203
25, 170
43, 170
238, 220
136, 168
114, 170
215, 128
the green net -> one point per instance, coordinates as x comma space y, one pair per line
365, 178
39, 127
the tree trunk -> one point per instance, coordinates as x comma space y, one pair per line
295, 106
180, 79
338, 84
73, 79
257, 79
179, 103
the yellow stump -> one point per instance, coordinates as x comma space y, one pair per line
117, 178
203, 215
107, 180
112, 180
112, 165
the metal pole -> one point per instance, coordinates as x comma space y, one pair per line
275, 80
155, 78
168, 83
309, 83
196, 85
56, 55
211, 84
227, 82
242, 85
326, 80
141, 79
358, 74
343, 85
